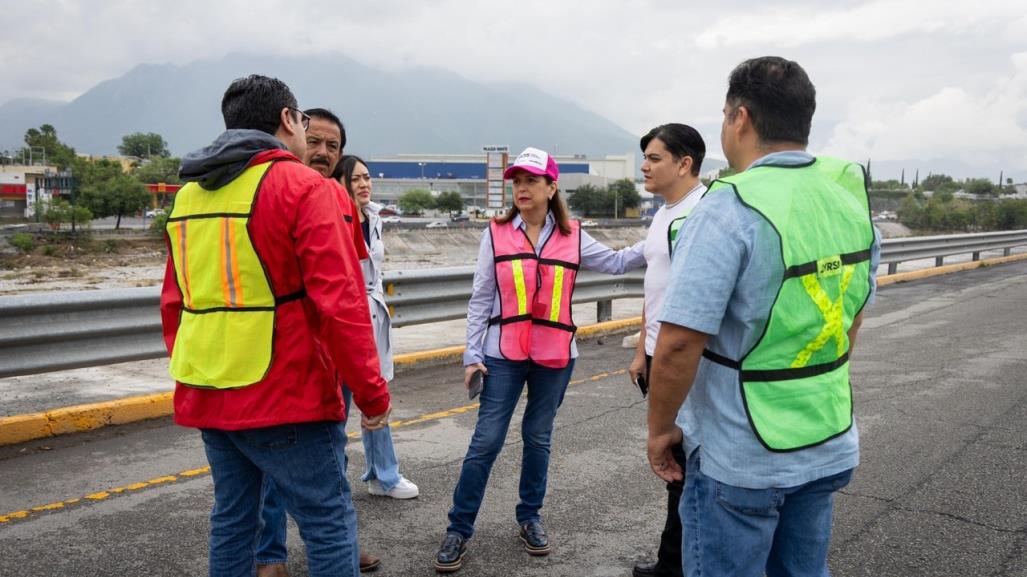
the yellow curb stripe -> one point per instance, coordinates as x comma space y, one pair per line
103, 495
947, 269
21, 428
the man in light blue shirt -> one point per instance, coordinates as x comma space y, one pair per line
746, 509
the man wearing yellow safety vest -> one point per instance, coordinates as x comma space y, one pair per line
769, 279
263, 302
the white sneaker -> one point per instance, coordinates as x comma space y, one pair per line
403, 490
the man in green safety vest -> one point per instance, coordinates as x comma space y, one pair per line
751, 368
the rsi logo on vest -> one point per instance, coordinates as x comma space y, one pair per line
830, 266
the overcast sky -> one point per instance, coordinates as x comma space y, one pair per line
895, 79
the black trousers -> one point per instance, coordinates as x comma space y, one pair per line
668, 558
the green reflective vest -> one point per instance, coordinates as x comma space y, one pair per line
228, 307
795, 379
674, 229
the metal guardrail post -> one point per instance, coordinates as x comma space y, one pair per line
604, 311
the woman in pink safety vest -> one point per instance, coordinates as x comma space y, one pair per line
520, 332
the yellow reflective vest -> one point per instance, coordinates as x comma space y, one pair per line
228, 307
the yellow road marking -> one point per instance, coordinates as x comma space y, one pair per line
103, 495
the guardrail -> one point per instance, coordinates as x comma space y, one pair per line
898, 250
55, 331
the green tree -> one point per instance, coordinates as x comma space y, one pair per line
587, 200
911, 211
60, 212
891, 184
622, 194
158, 170
939, 182
981, 186
107, 191
45, 137
144, 145
415, 201
449, 201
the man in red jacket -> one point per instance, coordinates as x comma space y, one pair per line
254, 223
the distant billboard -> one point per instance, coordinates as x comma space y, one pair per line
496, 157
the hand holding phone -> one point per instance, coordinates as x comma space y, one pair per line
473, 379
642, 385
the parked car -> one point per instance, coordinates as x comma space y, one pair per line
589, 223
459, 218
154, 212
437, 224
391, 219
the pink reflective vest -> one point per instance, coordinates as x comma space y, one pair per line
535, 294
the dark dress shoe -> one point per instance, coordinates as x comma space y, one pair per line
451, 554
647, 569
368, 562
535, 540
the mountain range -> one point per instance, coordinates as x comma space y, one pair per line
414, 110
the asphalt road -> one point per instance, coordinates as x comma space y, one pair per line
939, 378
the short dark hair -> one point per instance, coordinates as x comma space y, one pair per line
255, 102
681, 140
325, 114
779, 96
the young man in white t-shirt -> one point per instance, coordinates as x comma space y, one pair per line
673, 155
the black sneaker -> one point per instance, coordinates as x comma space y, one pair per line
451, 554
535, 540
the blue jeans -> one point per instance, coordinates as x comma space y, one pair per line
502, 389
307, 462
742, 532
382, 464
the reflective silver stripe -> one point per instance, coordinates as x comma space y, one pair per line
228, 264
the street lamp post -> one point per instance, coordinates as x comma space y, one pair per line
421, 164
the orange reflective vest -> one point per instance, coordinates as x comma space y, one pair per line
535, 290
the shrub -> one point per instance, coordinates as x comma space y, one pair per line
159, 223
22, 241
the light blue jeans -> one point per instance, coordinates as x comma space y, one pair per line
742, 532
307, 462
382, 464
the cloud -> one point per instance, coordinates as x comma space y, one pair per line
866, 22
984, 127
639, 63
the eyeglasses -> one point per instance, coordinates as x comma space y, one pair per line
304, 117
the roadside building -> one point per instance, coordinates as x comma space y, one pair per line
466, 174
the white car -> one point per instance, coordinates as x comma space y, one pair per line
589, 223
437, 224
154, 212
393, 219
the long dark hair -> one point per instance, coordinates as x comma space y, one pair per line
556, 206
344, 172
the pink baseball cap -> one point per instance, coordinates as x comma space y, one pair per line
534, 161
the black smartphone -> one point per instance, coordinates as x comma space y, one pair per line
643, 386
476, 384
